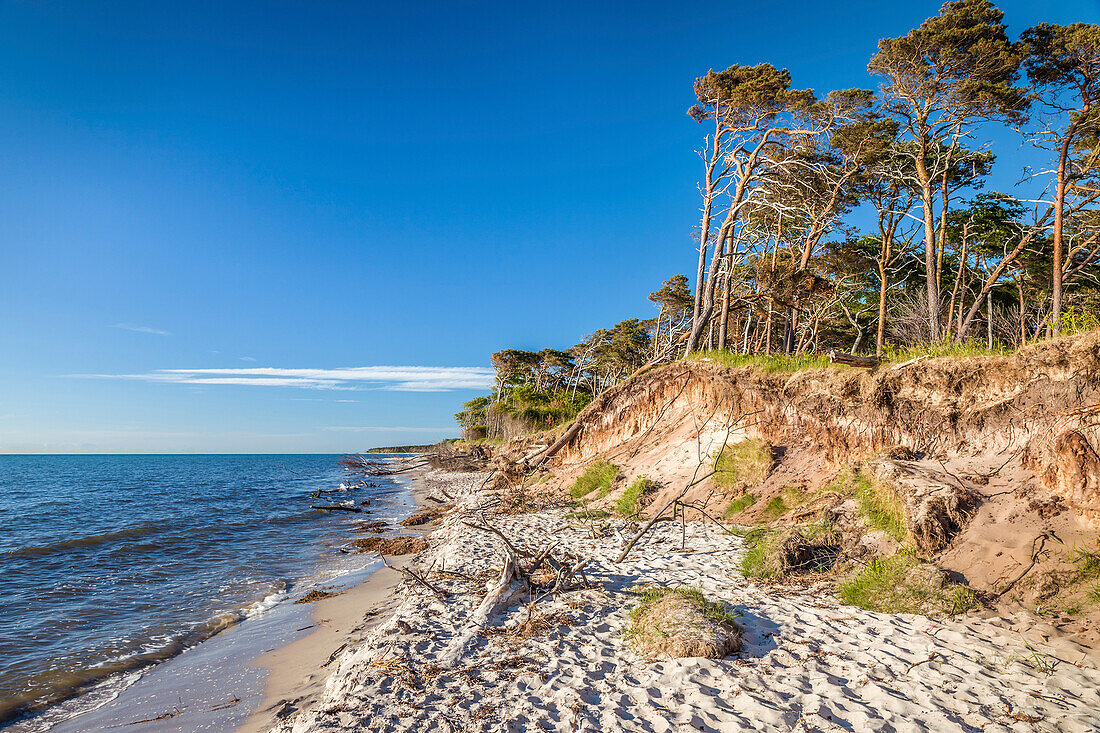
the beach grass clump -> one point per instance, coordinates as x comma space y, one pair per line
682, 622
741, 466
757, 560
1087, 566
791, 497
1087, 562
739, 505
633, 497
768, 363
902, 584
586, 514
878, 503
598, 477
779, 553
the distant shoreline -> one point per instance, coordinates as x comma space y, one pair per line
401, 449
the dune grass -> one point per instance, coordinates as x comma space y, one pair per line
631, 500
878, 503
743, 465
900, 584
583, 514
713, 610
739, 505
760, 548
768, 363
791, 497
766, 550
599, 477
1087, 562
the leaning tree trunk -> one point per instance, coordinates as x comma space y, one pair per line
704, 317
723, 325
931, 276
1056, 259
880, 334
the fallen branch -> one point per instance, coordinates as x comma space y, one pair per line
338, 508
863, 362
416, 577
918, 663
683, 492
909, 363
653, 520
1035, 552
510, 585
486, 527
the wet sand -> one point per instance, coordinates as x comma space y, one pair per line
295, 674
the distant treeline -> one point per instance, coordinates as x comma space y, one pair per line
402, 449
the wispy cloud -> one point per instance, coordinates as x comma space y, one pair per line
393, 378
247, 358
141, 329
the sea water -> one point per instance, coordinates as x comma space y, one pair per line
112, 564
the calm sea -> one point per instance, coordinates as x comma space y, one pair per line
111, 563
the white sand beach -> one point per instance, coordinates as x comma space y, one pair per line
808, 663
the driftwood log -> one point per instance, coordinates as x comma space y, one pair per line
338, 508
511, 584
864, 362
417, 578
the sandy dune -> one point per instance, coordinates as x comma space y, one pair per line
808, 663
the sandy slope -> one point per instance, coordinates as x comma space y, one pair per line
808, 663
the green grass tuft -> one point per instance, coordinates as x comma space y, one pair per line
583, 514
739, 505
789, 498
1087, 562
774, 509
768, 363
899, 584
713, 610
599, 476
631, 500
1078, 321
878, 503
754, 563
743, 465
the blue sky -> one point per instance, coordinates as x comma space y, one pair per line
313, 191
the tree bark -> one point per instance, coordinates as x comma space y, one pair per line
880, 335
1059, 206
723, 326
989, 319
865, 362
708, 299
931, 276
